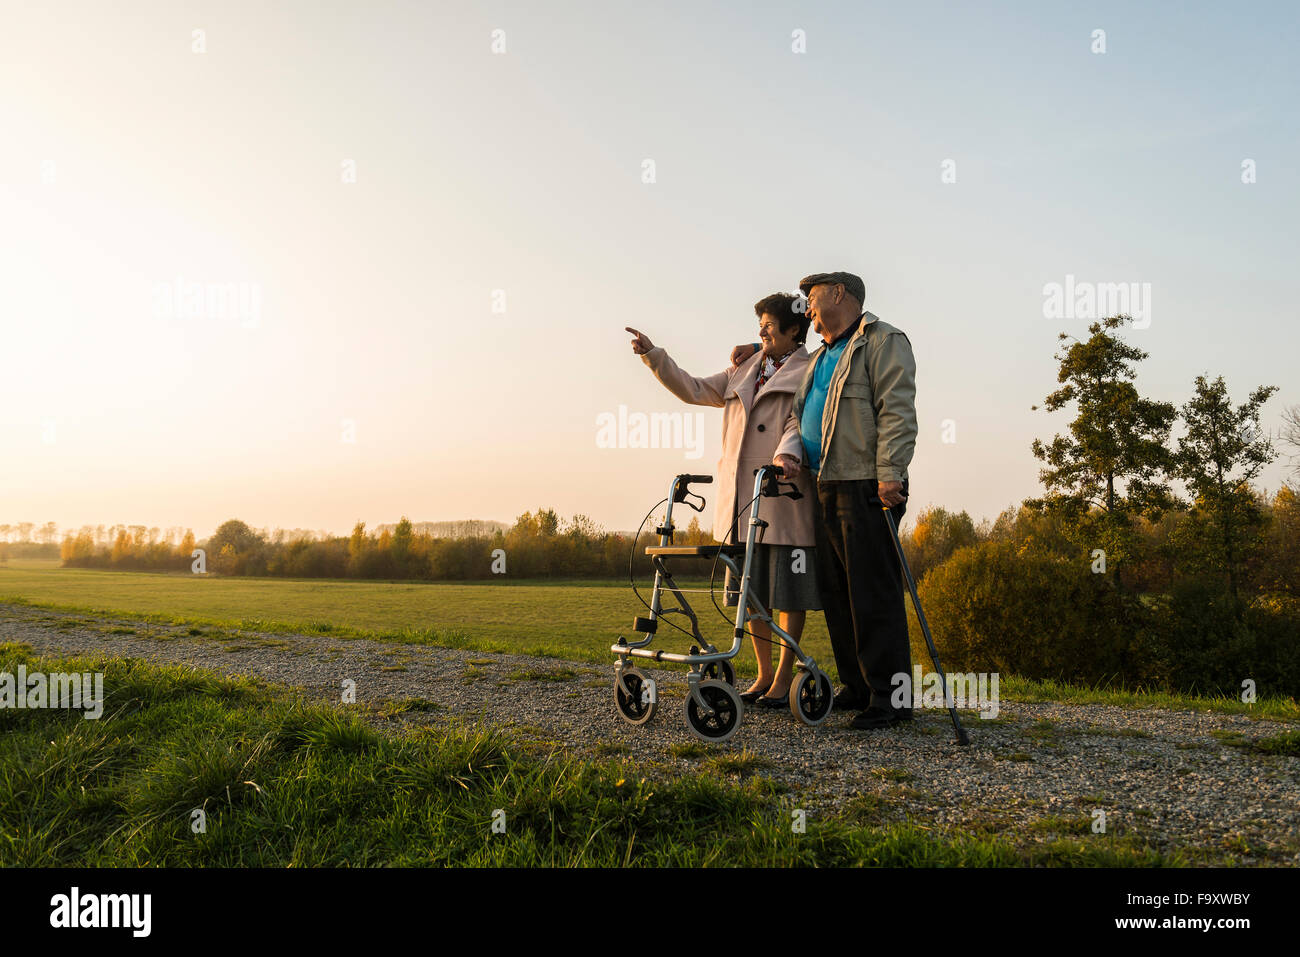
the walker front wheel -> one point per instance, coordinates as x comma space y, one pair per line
724, 705
638, 703
812, 697
719, 671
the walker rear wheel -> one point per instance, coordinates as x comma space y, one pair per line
637, 705
812, 697
726, 711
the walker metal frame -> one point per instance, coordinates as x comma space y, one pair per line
713, 707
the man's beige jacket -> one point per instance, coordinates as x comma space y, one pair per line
869, 423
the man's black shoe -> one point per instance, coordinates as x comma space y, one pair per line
847, 700
877, 718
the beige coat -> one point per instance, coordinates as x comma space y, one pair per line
751, 431
869, 423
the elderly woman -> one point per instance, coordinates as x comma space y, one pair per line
756, 398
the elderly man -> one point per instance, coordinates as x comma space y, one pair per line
853, 424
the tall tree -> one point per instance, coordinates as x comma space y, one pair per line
357, 546
1223, 451
1290, 436
1281, 570
1114, 464
234, 533
935, 535
403, 538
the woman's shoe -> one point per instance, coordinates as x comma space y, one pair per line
749, 697
781, 702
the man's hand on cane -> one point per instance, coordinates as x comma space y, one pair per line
891, 493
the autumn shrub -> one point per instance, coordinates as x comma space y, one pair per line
1018, 609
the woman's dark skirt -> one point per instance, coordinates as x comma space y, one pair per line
780, 578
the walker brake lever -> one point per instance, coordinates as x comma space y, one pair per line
681, 491
772, 486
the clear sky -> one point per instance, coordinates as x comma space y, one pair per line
130, 160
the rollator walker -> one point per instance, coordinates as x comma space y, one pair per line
713, 705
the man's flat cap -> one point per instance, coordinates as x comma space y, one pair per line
852, 284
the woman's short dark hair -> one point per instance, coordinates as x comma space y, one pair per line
781, 307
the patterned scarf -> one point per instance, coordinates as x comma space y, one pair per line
770, 366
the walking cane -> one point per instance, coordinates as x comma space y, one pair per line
962, 738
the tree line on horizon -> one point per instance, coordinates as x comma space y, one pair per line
538, 545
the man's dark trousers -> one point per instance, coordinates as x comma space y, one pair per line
862, 589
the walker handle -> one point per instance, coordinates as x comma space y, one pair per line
772, 483
681, 489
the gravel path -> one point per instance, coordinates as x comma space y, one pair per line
1172, 779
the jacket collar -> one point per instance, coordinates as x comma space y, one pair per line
786, 379
852, 329
858, 332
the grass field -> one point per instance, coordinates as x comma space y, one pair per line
282, 783
576, 620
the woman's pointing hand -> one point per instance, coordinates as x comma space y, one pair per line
641, 344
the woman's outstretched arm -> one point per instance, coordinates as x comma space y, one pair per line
688, 388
